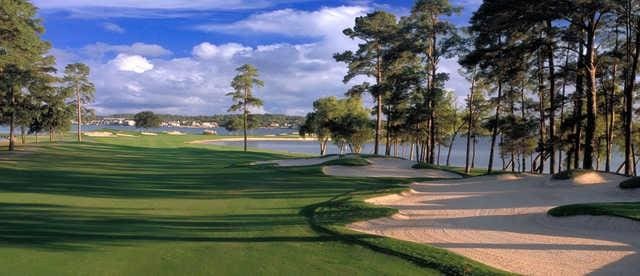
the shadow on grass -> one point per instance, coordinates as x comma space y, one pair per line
57, 227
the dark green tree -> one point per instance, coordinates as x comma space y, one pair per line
243, 98
147, 119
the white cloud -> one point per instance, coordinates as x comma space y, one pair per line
114, 28
147, 78
207, 50
99, 49
290, 22
134, 63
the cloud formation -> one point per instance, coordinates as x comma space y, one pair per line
114, 28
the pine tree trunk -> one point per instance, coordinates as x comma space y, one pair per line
590, 70
12, 120
79, 106
577, 110
467, 167
552, 100
630, 74
542, 142
494, 131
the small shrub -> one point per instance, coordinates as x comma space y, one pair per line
631, 183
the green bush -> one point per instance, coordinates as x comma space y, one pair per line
631, 183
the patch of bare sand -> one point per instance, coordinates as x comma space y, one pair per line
388, 167
503, 223
99, 134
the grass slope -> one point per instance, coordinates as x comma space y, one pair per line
630, 210
158, 206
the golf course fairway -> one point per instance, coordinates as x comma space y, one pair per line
160, 206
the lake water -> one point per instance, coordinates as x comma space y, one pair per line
458, 151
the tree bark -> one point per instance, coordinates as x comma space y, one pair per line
543, 141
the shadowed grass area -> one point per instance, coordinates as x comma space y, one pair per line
630, 210
457, 170
351, 161
631, 183
158, 206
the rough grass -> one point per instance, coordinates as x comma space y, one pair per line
154, 205
351, 161
569, 174
631, 183
630, 210
457, 170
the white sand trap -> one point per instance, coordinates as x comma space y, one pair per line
388, 167
299, 162
148, 134
590, 178
98, 134
503, 223
175, 133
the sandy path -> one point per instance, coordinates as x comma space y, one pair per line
502, 221
388, 167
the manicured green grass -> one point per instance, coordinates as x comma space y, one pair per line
631, 183
154, 205
630, 210
351, 161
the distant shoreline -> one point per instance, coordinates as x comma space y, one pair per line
253, 139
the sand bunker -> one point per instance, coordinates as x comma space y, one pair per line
175, 133
99, 134
388, 167
503, 223
148, 134
299, 162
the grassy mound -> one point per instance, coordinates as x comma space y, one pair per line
569, 174
630, 210
456, 170
351, 161
631, 183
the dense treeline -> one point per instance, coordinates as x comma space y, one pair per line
32, 97
552, 82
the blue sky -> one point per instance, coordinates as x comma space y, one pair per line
178, 56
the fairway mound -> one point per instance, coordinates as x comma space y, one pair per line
504, 223
388, 167
99, 134
298, 162
125, 135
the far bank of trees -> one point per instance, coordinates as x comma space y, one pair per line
553, 83
32, 98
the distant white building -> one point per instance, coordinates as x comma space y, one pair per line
129, 123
